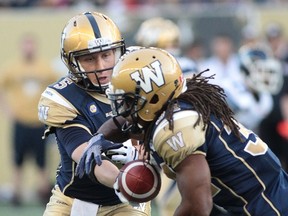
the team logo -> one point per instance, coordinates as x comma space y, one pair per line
98, 42
153, 74
43, 112
93, 108
176, 142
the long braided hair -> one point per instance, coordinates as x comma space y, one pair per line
206, 98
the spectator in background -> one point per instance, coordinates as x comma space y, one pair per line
196, 52
224, 63
250, 35
21, 84
276, 38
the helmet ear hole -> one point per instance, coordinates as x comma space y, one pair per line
154, 99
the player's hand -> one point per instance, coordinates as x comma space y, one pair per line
118, 192
92, 154
124, 154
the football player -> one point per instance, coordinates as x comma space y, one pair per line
165, 34
21, 83
74, 108
263, 77
191, 131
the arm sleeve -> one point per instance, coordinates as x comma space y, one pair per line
72, 137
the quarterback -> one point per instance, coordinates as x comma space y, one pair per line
190, 130
74, 108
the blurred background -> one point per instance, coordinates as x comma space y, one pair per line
199, 23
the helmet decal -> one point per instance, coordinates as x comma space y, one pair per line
149, 74
94, 24
98, 42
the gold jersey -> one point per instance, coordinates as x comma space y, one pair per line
174, 146
21, 84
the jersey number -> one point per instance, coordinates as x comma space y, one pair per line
255, 148
63, 83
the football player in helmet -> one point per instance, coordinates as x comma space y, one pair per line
263, 78
88, 34
74, 108
164, 34
262, 72
192, 133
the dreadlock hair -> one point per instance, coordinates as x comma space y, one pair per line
206, 98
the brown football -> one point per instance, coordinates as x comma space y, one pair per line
139, 181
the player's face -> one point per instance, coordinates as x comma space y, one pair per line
98, 62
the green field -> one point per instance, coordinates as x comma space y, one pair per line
25, 210
35, 210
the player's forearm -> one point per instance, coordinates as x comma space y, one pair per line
186, 210
106, 173
194, 186
111, 129
193, 205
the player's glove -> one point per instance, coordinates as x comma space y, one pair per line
118, 192
124, 154
92, 154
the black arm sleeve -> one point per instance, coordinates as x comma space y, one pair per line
72, 137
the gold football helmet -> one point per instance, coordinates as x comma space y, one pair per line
158, 32
261, 71
88, 33
143, 83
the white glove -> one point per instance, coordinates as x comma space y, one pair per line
118, 193
124, 154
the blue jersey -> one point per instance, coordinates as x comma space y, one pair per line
74, 115
247, 178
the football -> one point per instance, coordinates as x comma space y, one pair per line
139, 181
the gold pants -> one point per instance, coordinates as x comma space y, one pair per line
60, 205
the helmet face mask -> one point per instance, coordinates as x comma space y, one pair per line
142, 84
126, 104
86, 34
261, 71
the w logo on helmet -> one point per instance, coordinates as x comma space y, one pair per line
149, 75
